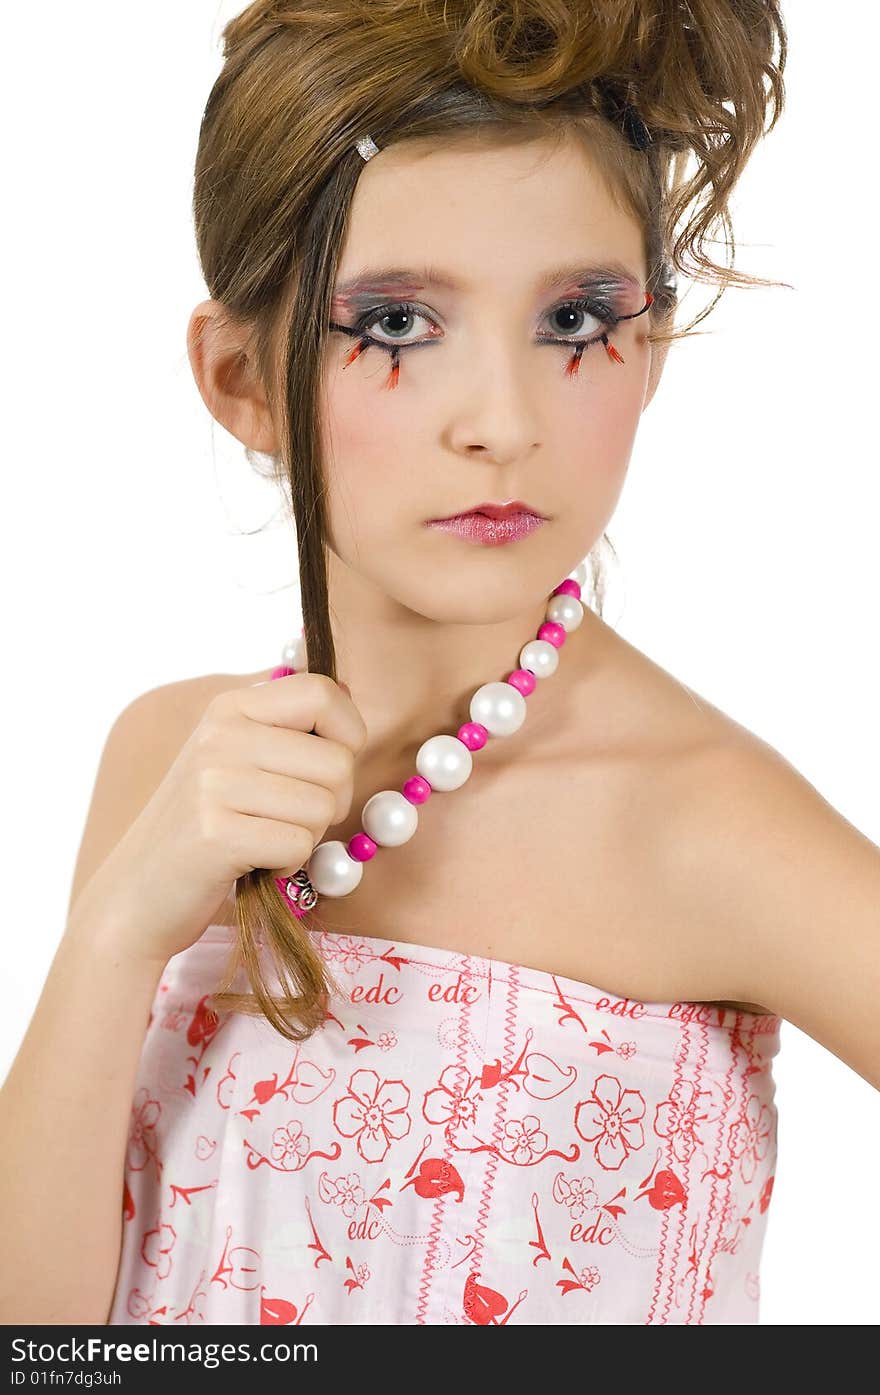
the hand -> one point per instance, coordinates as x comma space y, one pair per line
257, 784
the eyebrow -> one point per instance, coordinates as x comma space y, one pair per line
394, 280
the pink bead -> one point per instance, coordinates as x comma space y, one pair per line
473, 735
553, 633
569, 587
282, 671
361, 847
522, 680
298, 910
417, 789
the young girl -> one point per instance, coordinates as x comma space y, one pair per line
449, 934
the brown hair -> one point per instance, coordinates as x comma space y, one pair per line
276, 170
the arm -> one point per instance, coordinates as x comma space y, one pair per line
784, 897
65, 1104
64, 1119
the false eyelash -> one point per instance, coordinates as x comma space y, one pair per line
366, 341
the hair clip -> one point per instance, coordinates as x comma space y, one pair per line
619, 108
366, 147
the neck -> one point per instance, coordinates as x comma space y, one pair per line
412, 677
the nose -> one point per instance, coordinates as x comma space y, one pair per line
496, 412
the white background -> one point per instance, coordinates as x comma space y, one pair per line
747, 529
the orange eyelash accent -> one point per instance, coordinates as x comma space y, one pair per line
394, 375
358, 348
574, 363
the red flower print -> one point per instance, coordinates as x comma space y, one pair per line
226, 1086
578, 1195
240, 1263
523, 1139
174, 1020
290, 1145
347, 952
584, 1282
204, 1025
142, 1141
545, 1079
484, 1306
386, 1040
678, 1116
138, 1305
346, 1193
156, 1249
748, 1137
766, 1193
374, 1112
610, 1119
626, 1049
360, 1275
205, 1147
665, 1192
454, 1102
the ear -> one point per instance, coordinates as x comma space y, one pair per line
658, 361
659, 352
227, 379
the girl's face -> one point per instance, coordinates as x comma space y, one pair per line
475, 255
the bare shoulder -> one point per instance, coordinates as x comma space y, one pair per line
779, 893
158, 722
761, 893
648, 746
180, 704
720, 821
140, 748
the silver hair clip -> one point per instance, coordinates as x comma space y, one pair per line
367, 147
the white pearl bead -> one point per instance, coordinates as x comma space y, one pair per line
566, 611
332, 871
500, 707
294, 654
444, 761
540, 657
389, 818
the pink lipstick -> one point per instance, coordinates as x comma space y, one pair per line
492, 524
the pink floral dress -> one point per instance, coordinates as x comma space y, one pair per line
463, 1141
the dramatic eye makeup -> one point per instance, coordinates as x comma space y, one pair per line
603, 296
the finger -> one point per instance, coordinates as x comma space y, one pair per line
309, 702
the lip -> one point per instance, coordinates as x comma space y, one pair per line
508, 509
489, 532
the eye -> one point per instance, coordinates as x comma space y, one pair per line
395, 322
570, 317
